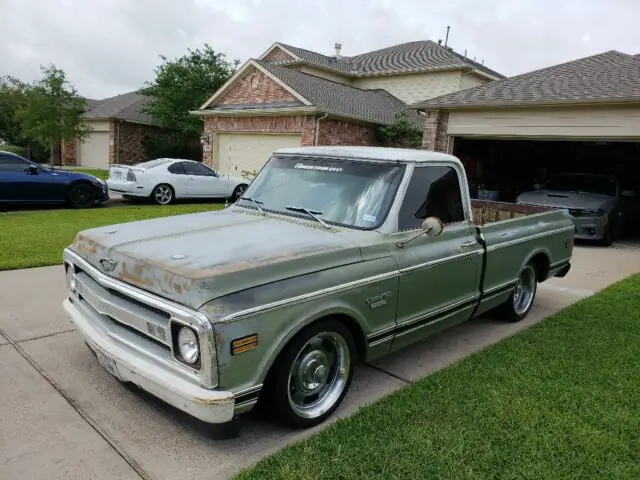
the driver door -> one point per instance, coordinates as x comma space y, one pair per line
202, 181
439, 282
15, 181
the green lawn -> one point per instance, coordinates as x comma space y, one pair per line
560, 400
103, 174
37, 238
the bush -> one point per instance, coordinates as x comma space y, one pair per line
14, 149
402, 133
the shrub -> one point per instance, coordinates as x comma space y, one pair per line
14, 149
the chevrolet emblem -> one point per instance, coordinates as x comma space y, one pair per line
107, 264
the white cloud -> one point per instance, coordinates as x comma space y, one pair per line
112, 46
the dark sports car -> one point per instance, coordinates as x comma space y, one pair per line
25, 182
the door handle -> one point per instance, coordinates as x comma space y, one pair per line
470, 244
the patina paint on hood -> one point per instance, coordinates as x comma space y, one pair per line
566, 199
192, 259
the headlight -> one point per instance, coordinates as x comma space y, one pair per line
188, 345
592, 212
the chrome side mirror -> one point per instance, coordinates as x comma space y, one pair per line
432, 226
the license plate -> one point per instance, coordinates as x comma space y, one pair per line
107, 363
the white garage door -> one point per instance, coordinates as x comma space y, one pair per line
94, 150
240, 151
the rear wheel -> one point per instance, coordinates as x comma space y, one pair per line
313, 374
519, 303
81, 195
162, 194
237, 192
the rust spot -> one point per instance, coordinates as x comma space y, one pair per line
135, 275
84, 244
485, 211
214, 401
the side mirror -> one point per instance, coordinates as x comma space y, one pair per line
32, 170
432, 226
628, 193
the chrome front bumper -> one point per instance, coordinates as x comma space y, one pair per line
210, 406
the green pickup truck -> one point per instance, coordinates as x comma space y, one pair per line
333, 255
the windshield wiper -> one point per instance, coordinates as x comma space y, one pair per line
257, 203
311, 213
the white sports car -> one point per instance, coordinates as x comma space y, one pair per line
166, 179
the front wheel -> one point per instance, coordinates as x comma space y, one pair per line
81, 195
162, 194
607, 234
521, 299
313, 374
237, 192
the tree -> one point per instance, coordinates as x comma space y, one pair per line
13, 95
182, 85
401, 133
53, 111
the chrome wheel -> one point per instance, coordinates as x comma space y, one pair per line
319, 374
525, 291
163, 194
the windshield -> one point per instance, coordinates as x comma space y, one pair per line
343, 192
598, 184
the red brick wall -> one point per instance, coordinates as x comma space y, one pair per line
277, 54
125, 140
256, 87
434, 136
69, 153
338, 132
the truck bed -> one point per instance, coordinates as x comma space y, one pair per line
489, 211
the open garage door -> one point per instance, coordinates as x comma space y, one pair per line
93, 152
238, 152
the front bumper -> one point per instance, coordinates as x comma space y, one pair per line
210, 406
589, 228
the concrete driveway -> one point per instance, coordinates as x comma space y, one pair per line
63, 416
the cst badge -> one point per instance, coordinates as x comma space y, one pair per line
378, 300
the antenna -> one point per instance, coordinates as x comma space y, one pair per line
465, 53
446, 40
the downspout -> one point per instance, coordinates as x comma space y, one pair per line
116, 143
317, 131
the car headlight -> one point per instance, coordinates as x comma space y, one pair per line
188, 345
597, 212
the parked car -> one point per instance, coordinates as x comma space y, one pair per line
23, 181
165, 179
599, 207
332, 255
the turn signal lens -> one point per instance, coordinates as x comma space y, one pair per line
240, 345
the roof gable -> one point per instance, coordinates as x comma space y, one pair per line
276, 53
375, 106
608, 76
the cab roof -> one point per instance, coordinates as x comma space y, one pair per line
381, 154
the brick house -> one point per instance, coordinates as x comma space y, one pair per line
119, 127
291, 97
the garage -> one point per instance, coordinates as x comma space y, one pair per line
516, 134
93, 151
238, 152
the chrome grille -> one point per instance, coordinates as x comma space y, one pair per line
128, 313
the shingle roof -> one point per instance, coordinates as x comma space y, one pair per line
125, 107
376, 105
91, 103
405, 57
610, 75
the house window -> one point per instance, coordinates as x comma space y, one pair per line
433, 191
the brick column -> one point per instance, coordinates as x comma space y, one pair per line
69, 153
434, 136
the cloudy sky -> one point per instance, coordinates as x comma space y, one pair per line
109, 47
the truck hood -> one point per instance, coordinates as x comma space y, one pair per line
192, 259
565, 199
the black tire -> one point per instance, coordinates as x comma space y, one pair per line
279, 392
521, 299
163, 194
238, 191
81, 195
